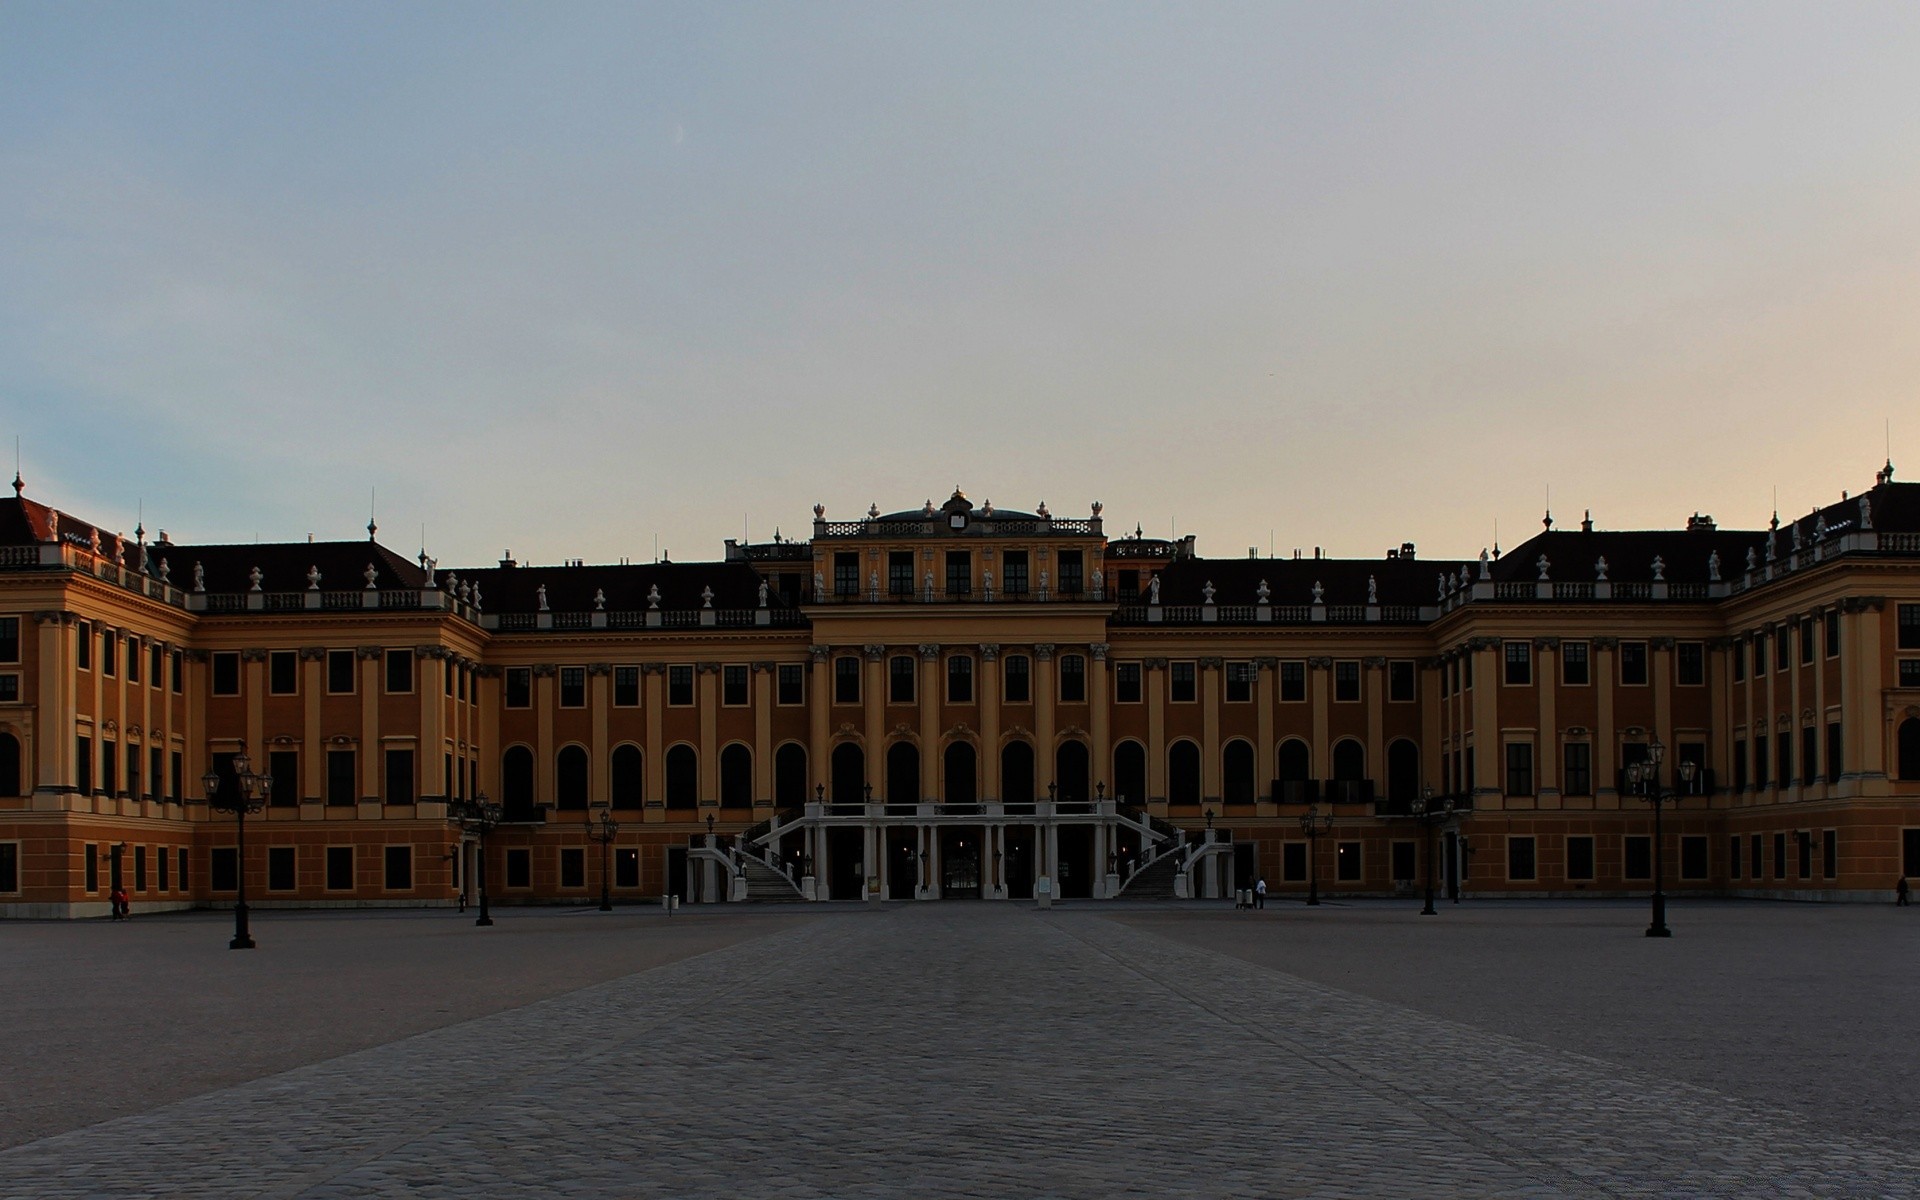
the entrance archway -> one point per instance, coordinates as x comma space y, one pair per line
849, 774
960, 783
1016, 773
903, 773
1070, 773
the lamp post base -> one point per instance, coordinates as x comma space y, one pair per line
1658, 926
1659, 931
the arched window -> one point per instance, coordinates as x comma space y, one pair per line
629, 781
683, 777
1070, 772
1910, 748
849, 781
1403, 771
1016, 773
1183, 773
570, 778
1294, 769
961, 786
1130, 773
516, 783
1236, 773
10, 765
903, 773
790, 776
736, 777
1349, 773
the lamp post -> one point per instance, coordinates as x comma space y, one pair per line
480, 815
250, 794
1431, 814
603, 831
1313, 823
1644, 777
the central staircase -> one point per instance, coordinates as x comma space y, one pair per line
765, 883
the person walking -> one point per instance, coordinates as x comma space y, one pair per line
117, 900
1900, 892
1260, 892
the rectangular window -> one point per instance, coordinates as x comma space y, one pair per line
1180, 681
1129, 586
792, 684
573, 687
1519, 768
1831, 621
1126, 683
959, 572
1293, 681
1829, 854
1240, 676
1293, 862
1637, 853
110, 652
448, 672
1014, 562
162, 862
846, 680
1578, 768
1580, 857
1803, 843
10, 652
174, 776
226, 672
1073, 679
519, 689
1400, 679
1347, 862
1806, 641
223, 869
1759, 647
139, 868
1690, 664
156, 665
1783, 746
1909, 853
1019, 679
626, 687
1910, 672
626, 868
281, 876
341, 788
340, 672
1519, 660
83, 763
1404, 862
1739, 764
960, 680
846, 573
133, 660
1633, 664
83, 646
733, 685
10, 688
156, 773
1073, 572
573, 867
680, 685
399, 864
1520, 859
1693, 856
1739, 661
1761, 763
900, 679
284, 767
180, 860
1779, 856
519, 868
1733, 857
283, 673
1757, 844
175, 659
399, 672
109, 768
900, 573
1833, 752
339, 868
399, 777
1346, 680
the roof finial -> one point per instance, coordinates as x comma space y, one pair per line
372, 528
19, 484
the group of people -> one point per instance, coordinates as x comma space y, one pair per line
1256, 898
122, 908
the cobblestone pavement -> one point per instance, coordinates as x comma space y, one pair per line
947, 1050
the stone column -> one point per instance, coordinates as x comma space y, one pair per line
819, 708
599, 752
1100, 694
1046, 704
873, 699
707, 686
930, 695
1546, 688
988, 697
763, 749
1209, 735
1156, 691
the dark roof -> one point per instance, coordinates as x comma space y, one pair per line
284, 565
1573, 554
1398, 581
24, 522
571, 589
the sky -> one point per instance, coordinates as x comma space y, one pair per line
605, 281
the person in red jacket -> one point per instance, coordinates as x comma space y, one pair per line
118, 900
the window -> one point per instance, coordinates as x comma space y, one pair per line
156, 665
1519, 768
339, 868
1520, 859
1347, 862
846, 680
1783, 746
174, 765
959, 572
1759, 645
1293, 681
283, 673
519, 868
226, 671
399, 672
573, 867
1693, 856
846, 574
110, 652
1782, 646
900, 679
960, 679
573, 687
1578, 768
1519, 661
1129, 586
1910, 672
1073, 679
1834, 745
1806, 641
1690, 664
9, 688
680, 685
449, 671
519, 687
1638, 856
109, 768
156, 773
1739, 660
1733, 857
180, 859
792, 684
133, 660
1779, 856
1346, 680
1803, 843
1831, 621
1739, 764
1126, 683
1181, 682
1400, 681
900, 573
280, 868
284, 767
83, 646
1240, 676
399, 863
1014, 563
1829, 854
626, 687
1073, 579
223, 869
341, 789
733, 685
10, 652
1633, 664
1580, 857
340, 672
83, 763
161, 861
90, 856
399, 777
1293, 862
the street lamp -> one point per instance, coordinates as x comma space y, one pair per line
1644, 777
250, 794
603, 832
1430, 814
1314, 824
479, 815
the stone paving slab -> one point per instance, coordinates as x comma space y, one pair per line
959, 1050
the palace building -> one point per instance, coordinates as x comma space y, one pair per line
954, 701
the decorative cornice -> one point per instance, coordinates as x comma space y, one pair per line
989, 651
544, 670
706, 668
313, 653
1212, 664
1043, 651
653, 668
1606, 643
366, 652
762, 666
599, 668
874, 651
1154, 664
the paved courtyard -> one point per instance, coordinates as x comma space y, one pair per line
967, 1049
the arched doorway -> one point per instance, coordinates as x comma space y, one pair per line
848, 785
1183, 774
1236, 774
628, 780
1130, 773
736, 777
1070, 773
961, 785
1403, 771
570, 778
903, 773
1016, 773
516, 783
790, 776
683, 777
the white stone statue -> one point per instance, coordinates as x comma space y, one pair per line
1373, 590
166, 572
1713, 567
1319, 593
1866, 512
93, 542
600, 598
1263, 593
466, 593
146, 559
253, 579
476, 594
986, 581
53, 525
706, 597
763, 593
1043, 583
313, 578
1752, 557
1543, 564
199, 578
1099, 576
1659, 569
653, 592
119, 549
1442, 585
433, 564
371, 574
1600, 568
1486, 564
819, 586
1153, 590
540, 597
873, 584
